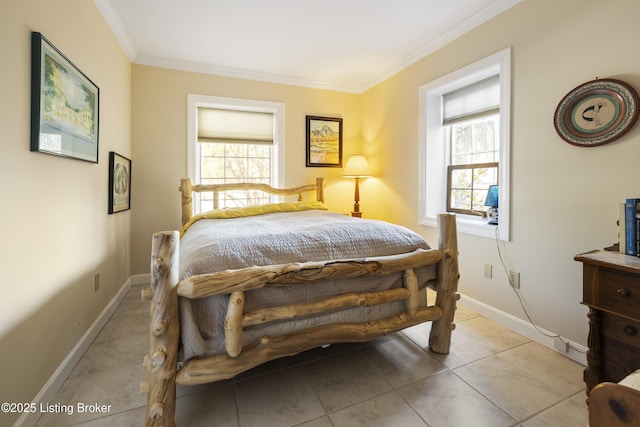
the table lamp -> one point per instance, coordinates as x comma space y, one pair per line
492, 202
357, 167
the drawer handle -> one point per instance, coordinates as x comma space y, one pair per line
629, 330
623, 293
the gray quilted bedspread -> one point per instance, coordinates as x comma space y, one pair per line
211, 245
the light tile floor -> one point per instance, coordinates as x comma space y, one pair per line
492, 377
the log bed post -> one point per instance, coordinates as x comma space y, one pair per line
187, 199
320, 189
164, 335
447, 292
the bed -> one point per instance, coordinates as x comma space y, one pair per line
238, 287
616, 404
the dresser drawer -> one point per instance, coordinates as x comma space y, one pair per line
621, 329
618, 361
619, 293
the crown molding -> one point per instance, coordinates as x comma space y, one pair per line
459, 30
243, 74
110, 15
114, 22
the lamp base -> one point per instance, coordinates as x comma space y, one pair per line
492, 216
356, 214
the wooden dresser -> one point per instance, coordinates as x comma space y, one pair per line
611, 290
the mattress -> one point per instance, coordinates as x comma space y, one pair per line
285, 233
632, 380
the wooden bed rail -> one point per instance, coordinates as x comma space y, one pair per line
236, 282
220, 367
249, 278
187, 189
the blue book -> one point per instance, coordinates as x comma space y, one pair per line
632, 219
622, 228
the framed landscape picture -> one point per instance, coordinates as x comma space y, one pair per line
324, 142
64, 105
119, 183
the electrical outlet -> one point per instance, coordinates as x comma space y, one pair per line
488, 271
514, 279
96, 282
560, 345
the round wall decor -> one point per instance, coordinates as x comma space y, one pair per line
596, 112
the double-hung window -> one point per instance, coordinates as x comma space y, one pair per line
464, 144
232, 141
471, 118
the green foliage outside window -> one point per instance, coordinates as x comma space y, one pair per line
474, 150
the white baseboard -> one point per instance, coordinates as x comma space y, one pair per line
140, 279
577, 352
49, 390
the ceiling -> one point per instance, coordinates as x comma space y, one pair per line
344, 45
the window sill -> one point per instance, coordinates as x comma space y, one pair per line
469, 224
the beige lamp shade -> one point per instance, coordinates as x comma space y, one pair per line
357, 167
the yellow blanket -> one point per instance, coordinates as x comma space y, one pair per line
253, 211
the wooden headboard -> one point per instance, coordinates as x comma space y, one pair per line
187, 189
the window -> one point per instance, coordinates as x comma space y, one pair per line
234, 140
464, 144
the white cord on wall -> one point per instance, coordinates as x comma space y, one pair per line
526, 313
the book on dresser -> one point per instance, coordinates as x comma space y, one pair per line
632, 226
622, 230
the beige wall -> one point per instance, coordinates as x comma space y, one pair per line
160, 142
56, 230
564, 198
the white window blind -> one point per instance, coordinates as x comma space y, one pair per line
235, 126
475, 100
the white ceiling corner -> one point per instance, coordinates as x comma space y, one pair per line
113, 20
347, 46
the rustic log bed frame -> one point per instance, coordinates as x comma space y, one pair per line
161, 363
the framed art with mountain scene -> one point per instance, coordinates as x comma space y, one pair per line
324, 142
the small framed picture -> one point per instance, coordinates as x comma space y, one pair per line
119, 183
324, 142
64, 105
